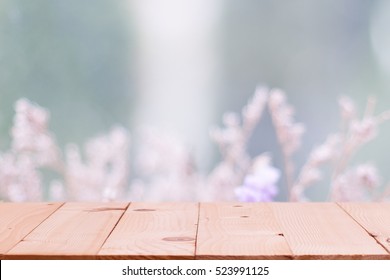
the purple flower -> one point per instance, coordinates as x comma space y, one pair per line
259, 187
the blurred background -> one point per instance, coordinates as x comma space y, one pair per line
179, 65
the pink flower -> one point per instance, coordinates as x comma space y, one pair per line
364, 130
347, 108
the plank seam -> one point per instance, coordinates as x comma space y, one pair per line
196, 233
370, 234
109, 234
62, 204
293, 256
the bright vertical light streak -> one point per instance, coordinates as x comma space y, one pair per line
177, 66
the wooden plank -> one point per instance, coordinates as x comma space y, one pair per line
325, 231
239, 231
75, 231
374, 217
19, 219
158, 231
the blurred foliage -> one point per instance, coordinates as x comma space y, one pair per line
69, 56
76, 59
314, 50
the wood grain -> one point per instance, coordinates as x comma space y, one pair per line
192, 230
374, 217
239, 231
325, 231
158, 231
75, 231
19, 219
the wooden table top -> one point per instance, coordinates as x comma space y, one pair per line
194, 230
